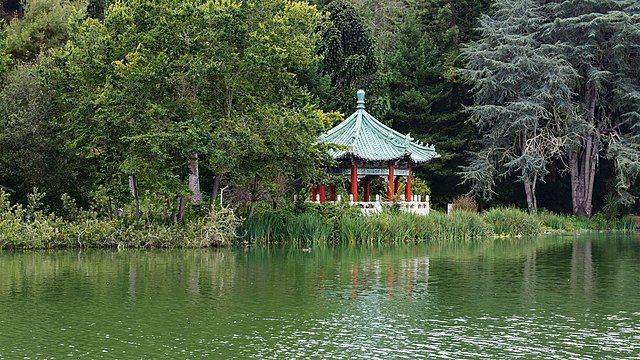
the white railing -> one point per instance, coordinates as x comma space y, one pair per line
418, 205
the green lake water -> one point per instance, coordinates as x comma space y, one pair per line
552, 298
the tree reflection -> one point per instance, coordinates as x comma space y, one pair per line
582, 266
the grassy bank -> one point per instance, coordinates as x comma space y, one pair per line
29, 227
319, 227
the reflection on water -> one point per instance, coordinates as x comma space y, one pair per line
582, 266
548, 298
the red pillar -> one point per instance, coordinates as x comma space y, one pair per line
354, 182
332, 192
314, 192
391, 179
367, 190
322, 194
407, 188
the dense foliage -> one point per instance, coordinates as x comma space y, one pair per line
160, 90
546, 93
30, 227
125, 103
517, 107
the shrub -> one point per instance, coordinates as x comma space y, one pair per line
557, 222
30, 228
465, 203
512, 222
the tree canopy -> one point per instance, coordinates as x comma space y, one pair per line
522, 97
121, 102
545, 93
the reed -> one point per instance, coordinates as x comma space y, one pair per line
571, 224
319, 226
388, 227
28, 227
627, 224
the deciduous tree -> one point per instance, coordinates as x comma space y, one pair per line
160, 81
43, 26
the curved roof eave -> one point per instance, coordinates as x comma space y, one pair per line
371, 140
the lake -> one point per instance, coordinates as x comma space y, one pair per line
547, 298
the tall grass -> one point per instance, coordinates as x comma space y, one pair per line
321, 226
571, 224
627, 224
29, 227
513, 222
313, 228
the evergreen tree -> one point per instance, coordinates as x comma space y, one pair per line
43, 26
426, 95
521, 98
383, 18
351, 61
602, 38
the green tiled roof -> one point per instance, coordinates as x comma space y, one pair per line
367, 138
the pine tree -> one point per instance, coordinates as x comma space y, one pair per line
426, 95
521, 98
351, 60
602, 38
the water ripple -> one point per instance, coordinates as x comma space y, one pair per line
537, 299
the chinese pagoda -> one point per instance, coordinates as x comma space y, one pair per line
370, 149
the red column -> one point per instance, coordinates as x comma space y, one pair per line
314, 192
354, 181
322, 194
391, 179
367, 190
407, 188
332, 192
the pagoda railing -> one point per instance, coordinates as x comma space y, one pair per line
419, 205
370, 172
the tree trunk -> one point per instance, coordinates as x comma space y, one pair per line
583, 162
194, 180
133, 187
178, 215
530, 191
214, 191
581, 183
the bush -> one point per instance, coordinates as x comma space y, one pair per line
465, 203
512, 222
30, 228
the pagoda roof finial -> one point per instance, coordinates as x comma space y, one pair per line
360, 96
368, 139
